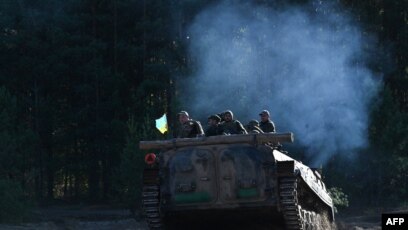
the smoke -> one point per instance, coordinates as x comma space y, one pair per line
306, 65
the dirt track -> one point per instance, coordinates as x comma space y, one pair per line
102, 218
74, 217
359, 223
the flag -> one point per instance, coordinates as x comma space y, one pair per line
161, 124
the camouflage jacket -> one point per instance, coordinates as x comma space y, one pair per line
267, 127
232, 127
253, 129
190, 129
213, 130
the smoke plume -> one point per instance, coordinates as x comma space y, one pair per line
306, 65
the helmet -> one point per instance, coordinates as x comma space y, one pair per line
253, 122
264, 112
215, 117
228, 111
183, 113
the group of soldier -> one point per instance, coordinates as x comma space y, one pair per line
223, 124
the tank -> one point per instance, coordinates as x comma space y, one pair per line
247, 173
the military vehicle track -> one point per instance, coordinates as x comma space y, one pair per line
299, 211
151, 198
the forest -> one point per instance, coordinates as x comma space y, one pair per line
82, 82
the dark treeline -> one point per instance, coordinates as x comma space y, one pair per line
74, 77
81, 82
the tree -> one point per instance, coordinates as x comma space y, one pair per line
17, 145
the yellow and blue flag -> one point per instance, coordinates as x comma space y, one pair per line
161, 124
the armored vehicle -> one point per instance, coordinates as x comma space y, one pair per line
223, 174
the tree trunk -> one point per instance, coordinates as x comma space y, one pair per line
50, 174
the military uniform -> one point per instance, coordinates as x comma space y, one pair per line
232, 127
190, 129
214, 129
253, 127
267, 127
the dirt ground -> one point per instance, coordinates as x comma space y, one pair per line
78, 217
364, 222
106, 218
359, 219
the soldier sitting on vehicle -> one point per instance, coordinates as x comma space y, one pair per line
231, 126
253, 127
214, 128
266, 124
188, 128
221, 115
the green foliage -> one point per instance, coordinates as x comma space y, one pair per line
13, 207
17, 146
17, 143
129, 174
78, 69
389, 145
389, 125
8, 133
340, 199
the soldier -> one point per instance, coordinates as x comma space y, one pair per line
189, 128
214, 128
221, 115
266, 124
253, 127
231, 126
